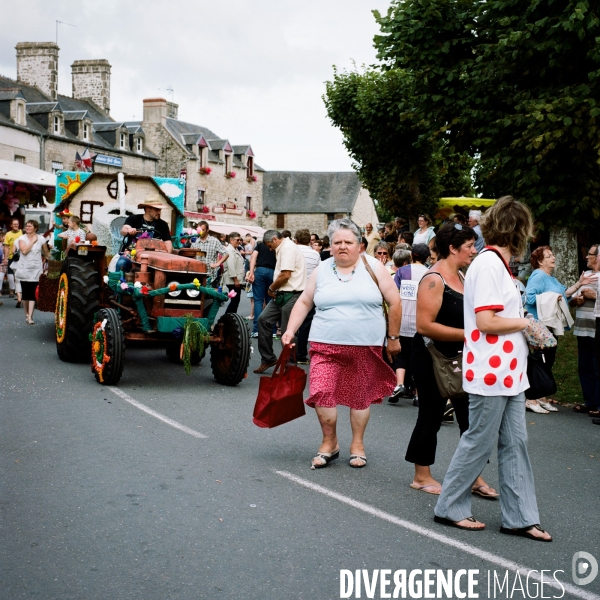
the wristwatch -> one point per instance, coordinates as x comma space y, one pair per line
272, 291
393, 337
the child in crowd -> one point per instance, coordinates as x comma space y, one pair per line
73, 232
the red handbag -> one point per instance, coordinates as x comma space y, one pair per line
280, 398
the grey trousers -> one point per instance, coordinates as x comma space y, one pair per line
491, 418
269, 317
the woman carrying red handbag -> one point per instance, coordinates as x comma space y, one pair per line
347, 333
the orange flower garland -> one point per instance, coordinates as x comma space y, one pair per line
60, 316
99, 357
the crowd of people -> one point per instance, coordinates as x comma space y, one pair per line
457, 294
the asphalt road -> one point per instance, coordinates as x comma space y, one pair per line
102, 500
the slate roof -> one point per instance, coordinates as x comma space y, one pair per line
306, 192
182, 133
38, 103
10, 94
75, 115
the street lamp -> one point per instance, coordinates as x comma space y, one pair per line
266, 212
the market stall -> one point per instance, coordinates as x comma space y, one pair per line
22, 186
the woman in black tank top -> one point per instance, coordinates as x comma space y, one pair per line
440, 320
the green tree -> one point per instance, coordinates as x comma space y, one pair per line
515, 84
395, 162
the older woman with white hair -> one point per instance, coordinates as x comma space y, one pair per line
346, 366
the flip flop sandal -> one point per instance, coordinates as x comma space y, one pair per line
479, 491
432, 488
525, 532
327, 457
357, 457
444, 521
581, 408
594, 414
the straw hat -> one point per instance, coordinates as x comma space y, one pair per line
152, 201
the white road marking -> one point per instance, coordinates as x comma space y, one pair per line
478, 552
155, 414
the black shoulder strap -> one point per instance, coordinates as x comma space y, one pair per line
434, 273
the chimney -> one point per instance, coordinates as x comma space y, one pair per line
37, 65
91, 79
155, 110
172, 110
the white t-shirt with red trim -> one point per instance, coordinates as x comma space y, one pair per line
493, 365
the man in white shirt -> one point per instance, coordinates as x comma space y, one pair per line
289, 280
311, 261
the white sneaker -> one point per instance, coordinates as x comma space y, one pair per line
547, 406
536, 408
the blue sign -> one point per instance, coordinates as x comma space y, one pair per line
111, 161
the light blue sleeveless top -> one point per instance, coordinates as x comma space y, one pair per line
349, 314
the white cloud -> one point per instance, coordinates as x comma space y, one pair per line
252, 72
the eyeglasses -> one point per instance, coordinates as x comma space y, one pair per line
592, 254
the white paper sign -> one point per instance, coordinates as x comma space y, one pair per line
408, 289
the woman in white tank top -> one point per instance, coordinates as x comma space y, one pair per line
347, 334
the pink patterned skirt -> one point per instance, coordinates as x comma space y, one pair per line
353, 376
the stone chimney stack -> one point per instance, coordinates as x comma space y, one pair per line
37, 65
155, 110
91, 80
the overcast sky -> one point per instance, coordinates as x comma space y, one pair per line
251, 71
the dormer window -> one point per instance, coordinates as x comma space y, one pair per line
122, 141
86, 131
56, 125
250, 166
21, 114
228, 158
139, 144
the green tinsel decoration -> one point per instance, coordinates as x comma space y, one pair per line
194, 339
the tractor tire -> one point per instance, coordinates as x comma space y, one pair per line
173, 349
112, 348
77, 306
229, 361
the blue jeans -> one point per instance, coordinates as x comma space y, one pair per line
588, 372
263, 278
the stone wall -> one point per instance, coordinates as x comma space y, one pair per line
364, 209
314, 222
37, 65
19, 143
64, 152
219, 189
91, 79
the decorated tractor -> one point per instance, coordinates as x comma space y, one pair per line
164, 299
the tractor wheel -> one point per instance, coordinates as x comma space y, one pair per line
173, 350
76, 304
229, 360
108, 347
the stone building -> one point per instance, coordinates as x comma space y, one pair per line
294, 200
42, 128
223, 182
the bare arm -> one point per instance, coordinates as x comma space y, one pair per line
429, 302
169, 245
390, 294
25, 247
583, 280
250, 273
488, 322
281, 280
128, 230
301, 308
